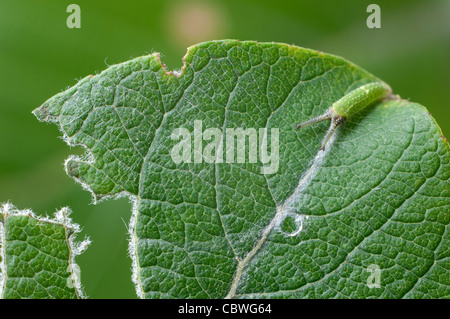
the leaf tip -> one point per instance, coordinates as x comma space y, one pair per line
41, 113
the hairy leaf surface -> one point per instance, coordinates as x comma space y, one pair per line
37, 255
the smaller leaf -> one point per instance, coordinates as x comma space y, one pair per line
37, 255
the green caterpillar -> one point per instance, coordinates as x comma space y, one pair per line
350, 104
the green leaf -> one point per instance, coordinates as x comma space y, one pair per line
37, 255
323, 224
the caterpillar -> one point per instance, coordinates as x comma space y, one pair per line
351, 103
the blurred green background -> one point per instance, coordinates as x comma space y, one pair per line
40, 56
